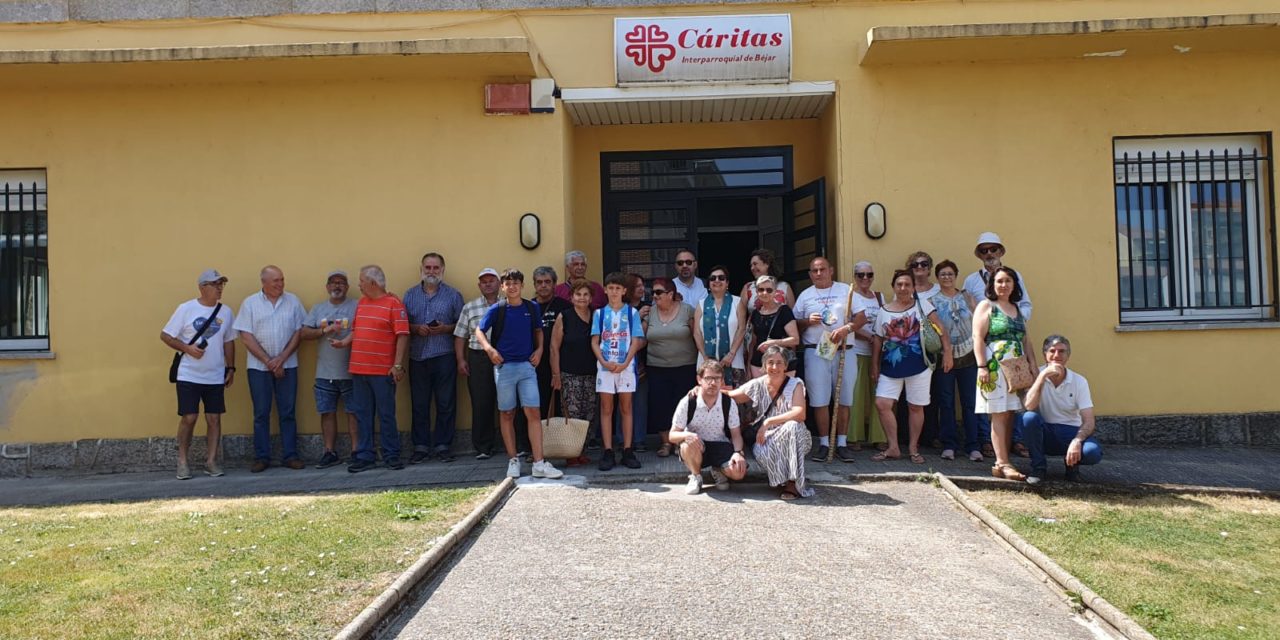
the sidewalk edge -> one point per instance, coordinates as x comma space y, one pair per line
1096, 603
385, 604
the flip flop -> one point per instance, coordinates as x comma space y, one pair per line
917, 458
882, 456
787, 495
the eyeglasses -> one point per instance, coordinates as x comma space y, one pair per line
659, 292
921, 264
712, 378
990, 249
764, 290
684, 263
865, 276
718, 276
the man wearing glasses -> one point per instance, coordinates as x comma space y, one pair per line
688, 283
206, 369
701, 433
990, 250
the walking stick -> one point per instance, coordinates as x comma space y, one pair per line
834, 411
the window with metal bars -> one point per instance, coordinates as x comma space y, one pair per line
24, 261
1195, 230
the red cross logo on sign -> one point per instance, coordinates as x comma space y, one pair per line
647, 47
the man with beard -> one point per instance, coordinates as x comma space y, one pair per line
990, 251
575, 269
433, 308
328, 320
690, 286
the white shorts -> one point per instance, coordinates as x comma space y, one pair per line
820, 378
917, 387
610, 382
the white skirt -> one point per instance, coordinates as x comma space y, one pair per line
997, 401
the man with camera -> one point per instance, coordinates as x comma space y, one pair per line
433, 308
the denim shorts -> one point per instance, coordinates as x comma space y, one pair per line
516, 379
328, 392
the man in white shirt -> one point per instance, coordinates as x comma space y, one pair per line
1059, 416
823, 308
701, 437
990, 251
690, 286
270, 326
207, 366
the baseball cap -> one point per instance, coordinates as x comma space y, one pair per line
210, 275
987, 237
488, 271
336, 272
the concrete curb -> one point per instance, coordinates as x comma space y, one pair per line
1102, 487
385, 604
1122, 623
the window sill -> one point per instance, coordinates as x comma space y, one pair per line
27, 355
1195, 326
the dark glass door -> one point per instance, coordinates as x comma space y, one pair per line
804, 231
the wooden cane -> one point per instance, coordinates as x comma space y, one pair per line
834, 410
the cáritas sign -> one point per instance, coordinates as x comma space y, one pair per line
687, 50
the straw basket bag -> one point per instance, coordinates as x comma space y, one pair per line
562, 437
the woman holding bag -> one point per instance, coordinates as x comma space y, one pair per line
781, 439
573, 363
999, 334
719, 326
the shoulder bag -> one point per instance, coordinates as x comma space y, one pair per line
177, 357
1018, 373
930, 338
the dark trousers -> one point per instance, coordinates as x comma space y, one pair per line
484, 402
435, 378
666, 386
375, 396
544, 400
264, 387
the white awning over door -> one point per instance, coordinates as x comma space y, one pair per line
696, 103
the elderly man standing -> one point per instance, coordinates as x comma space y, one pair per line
687, 281
821, 314
575, 268
328, 320
990, 250
378, 341
473, 363
433, 307
1059, 416
200, 329
270, 325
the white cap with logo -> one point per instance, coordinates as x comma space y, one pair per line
210, 275
336, 272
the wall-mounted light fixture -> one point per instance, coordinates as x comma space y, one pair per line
530, 231
874, 220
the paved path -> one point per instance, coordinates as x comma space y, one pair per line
1245, 468
878, 560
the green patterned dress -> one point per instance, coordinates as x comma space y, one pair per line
1005, 336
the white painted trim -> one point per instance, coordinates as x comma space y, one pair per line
696, 92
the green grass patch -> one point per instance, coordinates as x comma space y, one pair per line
1183, 566
264, 567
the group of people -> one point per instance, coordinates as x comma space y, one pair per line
708, 371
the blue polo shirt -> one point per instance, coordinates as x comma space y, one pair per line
516, 342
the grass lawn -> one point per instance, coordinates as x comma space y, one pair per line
264, 567
1183, 566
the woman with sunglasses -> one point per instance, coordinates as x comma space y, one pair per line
955, 310
1000, 333
864, 407
672, 354
901, 363
763, 263
920, 264
772, 325
719, 327
782, 441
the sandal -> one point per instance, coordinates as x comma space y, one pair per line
855, 445
917, 458
788, 495
1008, 472
882, 456
664, 450
882, 446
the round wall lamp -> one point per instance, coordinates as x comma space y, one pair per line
530, 231
875, 221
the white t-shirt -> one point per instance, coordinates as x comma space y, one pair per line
708, 421
693, 293
869, 307
186, 320
829, 302
1061, 404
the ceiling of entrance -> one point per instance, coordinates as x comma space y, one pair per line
698, 103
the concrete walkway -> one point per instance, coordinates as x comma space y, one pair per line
1241, 468
879, 560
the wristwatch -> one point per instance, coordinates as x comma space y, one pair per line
398, 367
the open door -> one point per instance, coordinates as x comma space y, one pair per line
804, 230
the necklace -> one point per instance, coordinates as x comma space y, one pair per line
675, 311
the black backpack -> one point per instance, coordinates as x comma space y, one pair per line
724, 406
535, 324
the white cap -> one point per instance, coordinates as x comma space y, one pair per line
210, 275
987, 237
488, 271
336, 272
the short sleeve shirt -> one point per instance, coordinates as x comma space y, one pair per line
598, 296
1062, 404
444, 307
708, 421
518, 323
902, 351
616, 330
472, 313
332, 363
692, 294
183, 325
272, 325
976, 286
378, 324
830, 304
869, 308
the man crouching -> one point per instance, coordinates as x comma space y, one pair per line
706, 428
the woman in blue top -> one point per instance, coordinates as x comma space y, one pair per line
901, 362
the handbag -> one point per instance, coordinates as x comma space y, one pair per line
930, 337
750, 431
177, 357
562, 437
1018, 373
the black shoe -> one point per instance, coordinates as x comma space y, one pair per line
606, 460
821, 455
361, 465
640, 448
1073, 473
419, 457
845, 454
395, 464
629, 459
327, 460
444, 455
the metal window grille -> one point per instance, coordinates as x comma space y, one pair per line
24, 261
1194, 232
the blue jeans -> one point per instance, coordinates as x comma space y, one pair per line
264, 386
517, 383
434, 378
976, 431
375, 395
1045, 439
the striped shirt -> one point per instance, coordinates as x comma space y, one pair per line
378, 323
472, 313
272, 325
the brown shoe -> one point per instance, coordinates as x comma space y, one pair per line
258, 467
295, 464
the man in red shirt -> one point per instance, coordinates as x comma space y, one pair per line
378, 341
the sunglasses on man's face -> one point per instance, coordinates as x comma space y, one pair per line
684, 263
718, 277
989, 250
865, 276
921, 264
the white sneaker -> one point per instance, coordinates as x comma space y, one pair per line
513, 468
1033, 479
975, 456
948, 454
695, 484
543, 469
722, 481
